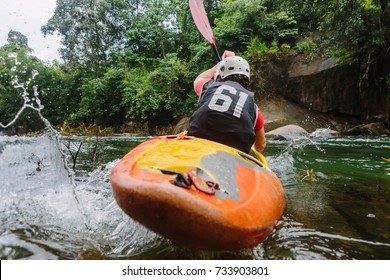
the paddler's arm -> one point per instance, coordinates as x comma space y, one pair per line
204, 77
209, 74
260, 141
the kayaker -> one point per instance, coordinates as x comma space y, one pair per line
227, 112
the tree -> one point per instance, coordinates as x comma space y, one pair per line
242, 20
160, 95
59, 92
17, 38
91, 30
101, 99
157, 30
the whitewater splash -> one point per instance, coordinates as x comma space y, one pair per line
45, 215
30, 100
49, 212
45, 211
37, 190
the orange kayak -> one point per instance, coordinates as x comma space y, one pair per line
199, 193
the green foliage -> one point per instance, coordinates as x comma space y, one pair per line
15, 65
17, 38
259, 50
95, 32
55, 85
155, 33
305, 46
59, 92
135, 60
260, 54
101, 99
311, 49
92, 30
343, 56
159, 95
243, 19
357, 22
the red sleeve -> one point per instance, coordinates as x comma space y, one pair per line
199, 86
259, 121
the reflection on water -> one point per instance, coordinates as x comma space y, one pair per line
337, 204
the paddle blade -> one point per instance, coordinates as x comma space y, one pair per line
201, 20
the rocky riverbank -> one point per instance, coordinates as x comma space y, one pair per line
279, 112
282, 117
318, 94
285, 118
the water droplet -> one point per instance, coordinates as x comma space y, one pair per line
12, 55
34, 73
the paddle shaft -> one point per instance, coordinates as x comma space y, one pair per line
201, 20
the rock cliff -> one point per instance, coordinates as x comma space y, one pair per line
327, 87
322, 93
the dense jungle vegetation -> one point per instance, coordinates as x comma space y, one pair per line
135, 60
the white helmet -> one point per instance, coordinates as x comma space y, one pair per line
234, 65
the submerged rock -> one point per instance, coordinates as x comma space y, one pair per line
287, 132
182, 125
324, 132
375, 129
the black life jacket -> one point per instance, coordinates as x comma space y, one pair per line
226, 113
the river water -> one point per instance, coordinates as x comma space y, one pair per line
338, 194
